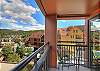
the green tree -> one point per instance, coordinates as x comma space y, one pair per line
28, 51
28, 67
13, 58
6, 51
21, 51
10, 56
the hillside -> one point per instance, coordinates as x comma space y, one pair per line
6, 32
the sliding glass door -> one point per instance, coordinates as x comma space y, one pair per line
95, 39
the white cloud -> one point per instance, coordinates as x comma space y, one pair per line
39, 27
8, 21
37, 9
18, 9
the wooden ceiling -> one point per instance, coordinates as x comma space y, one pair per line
68, 8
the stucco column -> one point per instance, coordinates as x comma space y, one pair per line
86, 39
50, 36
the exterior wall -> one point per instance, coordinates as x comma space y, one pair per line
35, 39
75, 33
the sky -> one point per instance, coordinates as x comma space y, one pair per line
67, 23
20, 15
95, 25
26, 15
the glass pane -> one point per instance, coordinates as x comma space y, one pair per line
95, 38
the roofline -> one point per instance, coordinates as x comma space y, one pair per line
40, 5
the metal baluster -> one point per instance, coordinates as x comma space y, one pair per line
71, 54
74, 55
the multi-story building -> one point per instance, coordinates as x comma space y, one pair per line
35, 39
72, 33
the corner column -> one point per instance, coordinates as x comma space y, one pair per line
50, 36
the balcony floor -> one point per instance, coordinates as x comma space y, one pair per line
72, 68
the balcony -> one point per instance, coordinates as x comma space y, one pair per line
71, 57
62, 57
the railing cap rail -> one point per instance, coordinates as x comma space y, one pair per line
41, 60
71, 45
23, 63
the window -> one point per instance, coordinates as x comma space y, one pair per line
78, 37
35, 43
72, 36
67, 35
76, 31
35, 39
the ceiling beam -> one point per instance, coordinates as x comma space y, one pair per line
72, 15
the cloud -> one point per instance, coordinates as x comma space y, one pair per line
38, 27
18, 9
26, 28
8, 21
12, 25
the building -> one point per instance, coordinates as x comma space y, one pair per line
72, 33
36, 39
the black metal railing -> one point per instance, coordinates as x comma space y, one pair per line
95, 54
39, 65
77, 53
43, 63
72, 53
70, 42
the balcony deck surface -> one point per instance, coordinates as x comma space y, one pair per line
72, 68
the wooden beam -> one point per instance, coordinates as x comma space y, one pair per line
39, 3
72, 16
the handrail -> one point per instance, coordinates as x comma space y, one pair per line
41, 60
23, 63
70, 42
71, 45
76, 42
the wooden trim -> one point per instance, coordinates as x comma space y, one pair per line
39, 3
93, 8
72, 16
96, 12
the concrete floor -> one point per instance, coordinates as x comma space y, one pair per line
72, 68
6, 66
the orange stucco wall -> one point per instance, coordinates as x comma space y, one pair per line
50, 36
